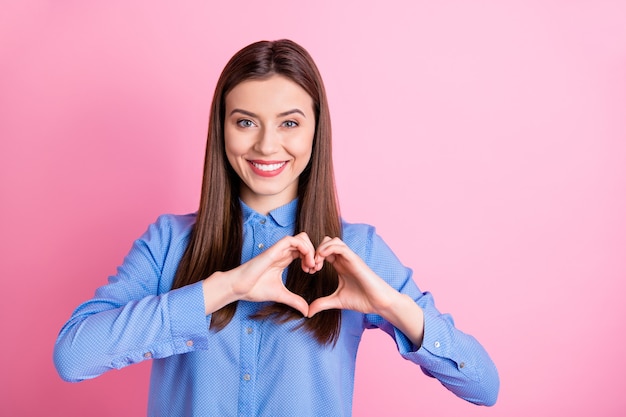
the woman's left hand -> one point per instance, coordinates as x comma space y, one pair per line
361, 289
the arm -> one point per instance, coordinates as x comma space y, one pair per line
260, 279
456, 359
135, 317
374, 282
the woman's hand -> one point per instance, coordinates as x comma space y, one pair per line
360, 289
260, 279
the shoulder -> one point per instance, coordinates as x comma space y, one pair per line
176, 223
356, 231
367, 243
358, 236
369, 246
169, 229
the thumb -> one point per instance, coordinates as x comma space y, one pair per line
323, 303
293, 300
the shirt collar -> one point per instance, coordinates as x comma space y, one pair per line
283, 215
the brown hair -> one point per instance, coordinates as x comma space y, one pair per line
216, 238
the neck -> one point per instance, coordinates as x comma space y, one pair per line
265, 205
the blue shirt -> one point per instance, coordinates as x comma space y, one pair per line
251, 367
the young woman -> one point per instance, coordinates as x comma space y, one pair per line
255, 305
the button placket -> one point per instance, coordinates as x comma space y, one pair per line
248, 358
259, 236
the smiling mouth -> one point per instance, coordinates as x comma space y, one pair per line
268, 167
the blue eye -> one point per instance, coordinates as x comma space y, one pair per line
290, 123
245, 123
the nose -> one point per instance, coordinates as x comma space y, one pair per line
268, 142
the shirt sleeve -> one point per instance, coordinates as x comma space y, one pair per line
455, 358
130, 319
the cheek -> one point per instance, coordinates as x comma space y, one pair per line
232, 154
230, 146
304, 146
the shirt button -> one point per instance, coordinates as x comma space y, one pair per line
462, 365
261, 246
189, 343
246, 377
249, 330
147, 355
437, 344
262, 221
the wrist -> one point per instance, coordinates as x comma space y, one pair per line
405, 315
394, 306
217, 291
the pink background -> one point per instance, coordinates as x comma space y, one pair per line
485, 140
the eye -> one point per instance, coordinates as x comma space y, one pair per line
290, 123
245, 123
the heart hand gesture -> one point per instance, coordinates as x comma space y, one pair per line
260, 279
360, 289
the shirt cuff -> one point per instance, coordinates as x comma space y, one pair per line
436, 339
188, 322
438, 349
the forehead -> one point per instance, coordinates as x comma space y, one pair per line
276, 93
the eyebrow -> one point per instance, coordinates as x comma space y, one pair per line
283, 114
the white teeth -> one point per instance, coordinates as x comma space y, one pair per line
268, 167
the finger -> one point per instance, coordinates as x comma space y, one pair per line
324, 303
307, 252
319, 263
319, 259
288, 249
333, 248
293, 300
330, 242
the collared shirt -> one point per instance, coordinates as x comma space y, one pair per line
251, 367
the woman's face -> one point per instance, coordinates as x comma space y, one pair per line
268, 132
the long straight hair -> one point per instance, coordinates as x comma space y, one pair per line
216, 238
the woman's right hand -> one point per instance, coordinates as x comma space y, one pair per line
260, 279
